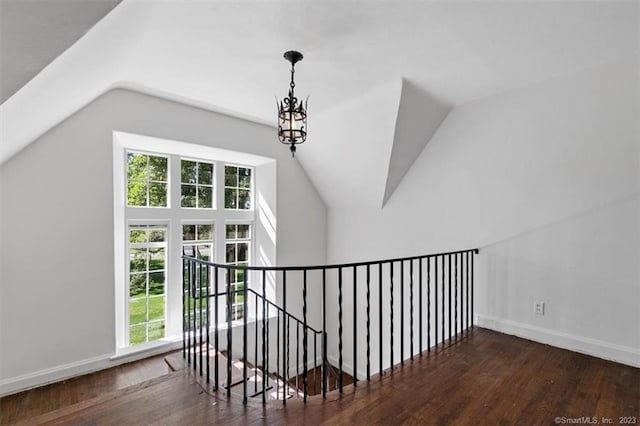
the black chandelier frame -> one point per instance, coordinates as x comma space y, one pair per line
292, 112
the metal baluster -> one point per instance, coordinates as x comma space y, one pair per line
420, 303
284, 337
298, 358
315, 363
216, 377
368, 323
267, 346
304, 337
200, 312
380, 316
411, 305
278, 355
462, 294
265, 365
185, 309
472, 285
435, 299
455, 294
391, 303
443, 294
340, 327
449, 266
429, 304
402, 312
255, 347
355, 328
324, 333
208, 324
467, 282
287, 319
229, 328
245, 353
194, 338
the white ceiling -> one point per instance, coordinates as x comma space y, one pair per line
227, 55
34, 33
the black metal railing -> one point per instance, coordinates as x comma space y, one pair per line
444, 310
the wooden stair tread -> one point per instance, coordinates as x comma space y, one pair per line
176, 362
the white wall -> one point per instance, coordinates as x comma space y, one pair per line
545, 180
57, 275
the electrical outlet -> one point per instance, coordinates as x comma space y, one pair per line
538, 308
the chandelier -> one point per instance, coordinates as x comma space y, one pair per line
292, 114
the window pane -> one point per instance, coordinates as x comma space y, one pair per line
230, 198
205, 173
136, 166
230, 176
137, 311
137, 285
136, 193
243, 231
242, 252
189, 250
156, 308
156, 330
205, 197
244, 180
231, 232
188, 171
156, 259
157, 194
158, 168
231, 253
244, 199
188, 232
204, 232
137, 334
205, 252
156, 283
137, 236
188, 196
156, 236
137, 260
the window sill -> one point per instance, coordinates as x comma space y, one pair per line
148, 349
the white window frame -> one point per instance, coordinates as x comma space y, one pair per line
174, 216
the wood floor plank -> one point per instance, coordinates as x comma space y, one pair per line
483, 378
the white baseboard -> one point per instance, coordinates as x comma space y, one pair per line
347, 367
598, 348
77, 368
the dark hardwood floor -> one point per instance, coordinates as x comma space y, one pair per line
483, 378
31, 403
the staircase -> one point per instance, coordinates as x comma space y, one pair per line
274, 388
270, 354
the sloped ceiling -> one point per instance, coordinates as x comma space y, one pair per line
227, 56
34, 33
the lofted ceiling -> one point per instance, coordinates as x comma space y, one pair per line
34, 33
227, 56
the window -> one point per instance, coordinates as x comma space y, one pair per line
146, 180
172, 198
196, 184
237, 187
197, 241
147, 272
238, 243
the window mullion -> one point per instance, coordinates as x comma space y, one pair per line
173, 325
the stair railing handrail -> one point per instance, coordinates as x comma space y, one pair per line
275, 305
329, 266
